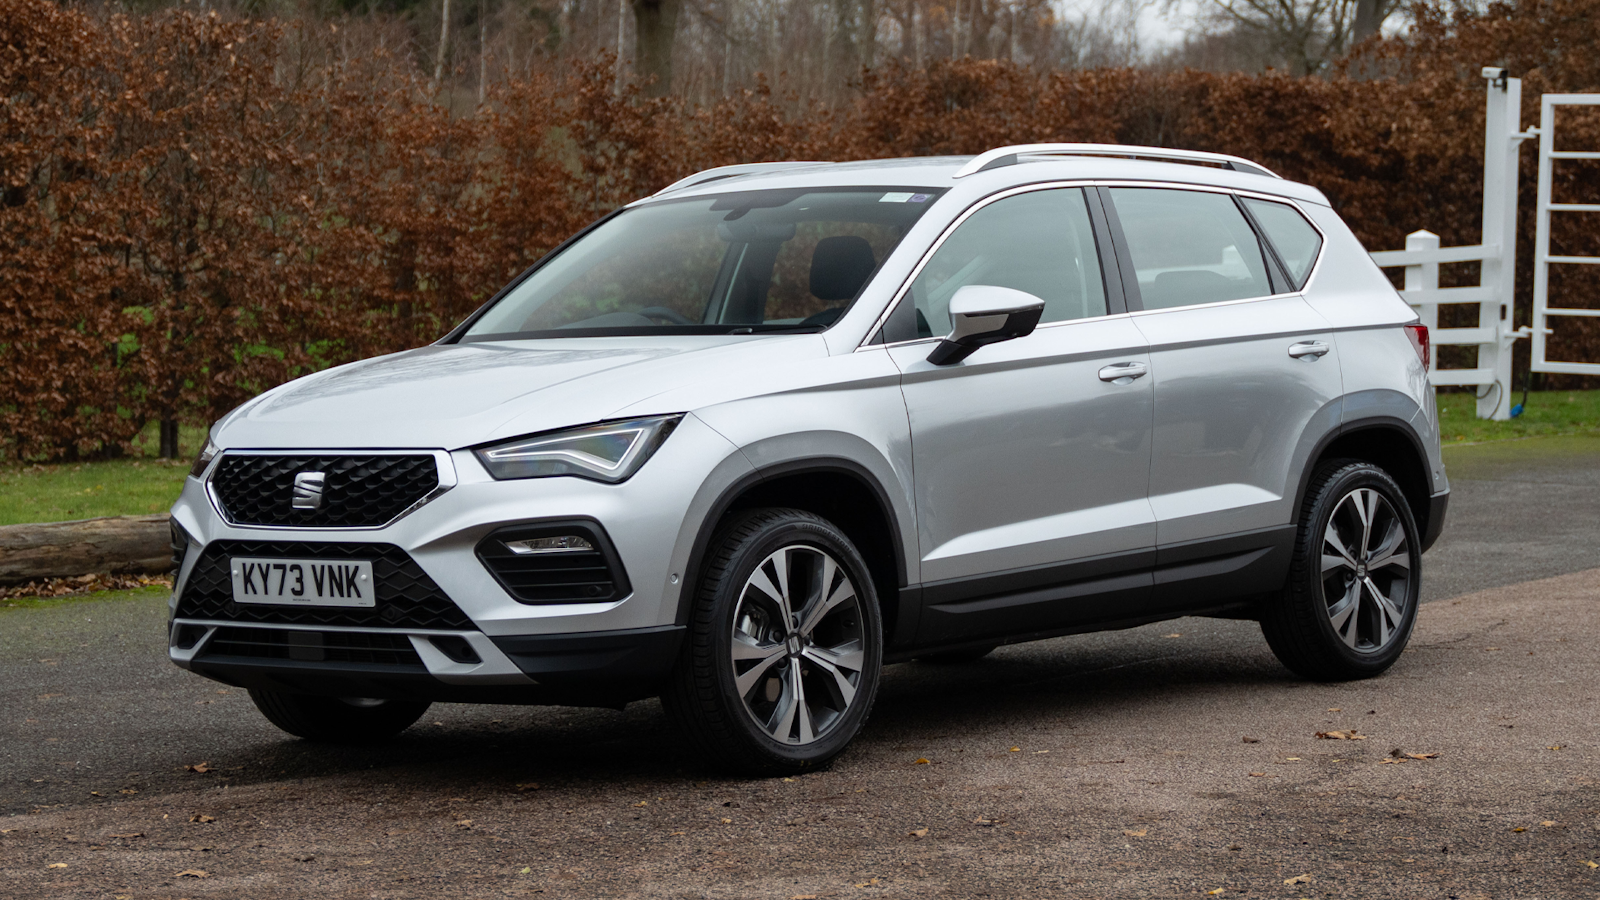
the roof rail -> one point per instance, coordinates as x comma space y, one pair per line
722, 172
1010, 156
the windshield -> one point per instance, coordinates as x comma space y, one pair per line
750, 262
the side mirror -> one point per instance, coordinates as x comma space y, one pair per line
985, 314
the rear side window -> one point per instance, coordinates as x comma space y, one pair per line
1291, 235
1040, 242
1190, 247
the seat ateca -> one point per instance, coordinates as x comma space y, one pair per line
742, 443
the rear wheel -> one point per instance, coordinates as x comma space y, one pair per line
784, 651
338, 720
1351, 601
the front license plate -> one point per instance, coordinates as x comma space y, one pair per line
303, 582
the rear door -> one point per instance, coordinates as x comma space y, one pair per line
1245, 377
1031, 457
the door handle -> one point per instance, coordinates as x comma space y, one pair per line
1313, 349
1123, 372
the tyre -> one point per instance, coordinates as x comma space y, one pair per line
785, 645
338, 720
1351, 599
957, 657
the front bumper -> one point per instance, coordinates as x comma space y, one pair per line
567, 652
606, 668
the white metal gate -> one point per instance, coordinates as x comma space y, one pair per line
1493, 335
1542, 260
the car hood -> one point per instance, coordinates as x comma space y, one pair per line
458, 395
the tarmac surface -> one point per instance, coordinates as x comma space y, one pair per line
1177, 759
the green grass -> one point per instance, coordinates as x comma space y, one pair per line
136, 485
144, 593
1547, 412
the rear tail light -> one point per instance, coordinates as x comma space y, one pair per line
1419, 342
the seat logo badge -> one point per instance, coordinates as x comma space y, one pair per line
308, 489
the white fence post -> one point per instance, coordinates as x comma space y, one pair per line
1425, 277
1502, 138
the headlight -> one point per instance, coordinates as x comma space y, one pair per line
609, 452
207, 454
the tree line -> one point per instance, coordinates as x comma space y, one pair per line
197, 206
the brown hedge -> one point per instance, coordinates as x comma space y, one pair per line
193, 210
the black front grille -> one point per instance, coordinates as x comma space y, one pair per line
359, 491
365, 648
585, 576
405, 596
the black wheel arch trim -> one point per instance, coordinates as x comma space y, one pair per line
1429, 529
816, 465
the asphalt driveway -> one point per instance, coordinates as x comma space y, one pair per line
1176, 759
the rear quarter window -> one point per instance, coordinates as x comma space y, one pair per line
1291, 235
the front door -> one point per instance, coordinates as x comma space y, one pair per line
1031, 457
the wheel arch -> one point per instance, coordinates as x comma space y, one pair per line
840, 490
1389, 443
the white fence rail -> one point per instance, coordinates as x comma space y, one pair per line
1542, 260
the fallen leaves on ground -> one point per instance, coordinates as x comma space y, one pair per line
868, 883
131, 834
56, 866
1350, 735
1397, 755
1298, 879
918, 832
83, 584
193, 873
201, 768
1015, 750
986, 822
1136, 833
463, 823
1214, 893
528, 786
921, 761
202, 818
1251, 740
1548, 823
1591, 864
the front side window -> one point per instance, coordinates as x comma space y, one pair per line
1291, 235
1190, 247
1040, 242
748, 262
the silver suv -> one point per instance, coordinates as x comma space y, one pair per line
744, 442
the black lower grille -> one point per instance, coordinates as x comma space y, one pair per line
592, 575
405, 596
314, 646
352, 491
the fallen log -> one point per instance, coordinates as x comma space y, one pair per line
116, 545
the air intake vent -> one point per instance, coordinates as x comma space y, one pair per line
555, 562
295, 645
352, 492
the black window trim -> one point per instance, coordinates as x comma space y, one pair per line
1276, 277
897, 314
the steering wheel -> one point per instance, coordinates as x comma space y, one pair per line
665, 315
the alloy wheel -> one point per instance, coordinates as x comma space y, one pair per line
798, 651
1366, 570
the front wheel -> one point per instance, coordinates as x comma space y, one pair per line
785, 645
338, 720
1351, 600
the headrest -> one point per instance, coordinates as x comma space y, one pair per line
840, 266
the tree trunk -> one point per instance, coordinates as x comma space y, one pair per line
655, 23
1369, 18
169, 439
121, 545
867, 45
444, 43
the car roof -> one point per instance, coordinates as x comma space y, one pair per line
944, 172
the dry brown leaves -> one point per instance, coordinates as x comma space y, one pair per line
1350, 735
83, 584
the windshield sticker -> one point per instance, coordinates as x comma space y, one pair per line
896, 198
919, 198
